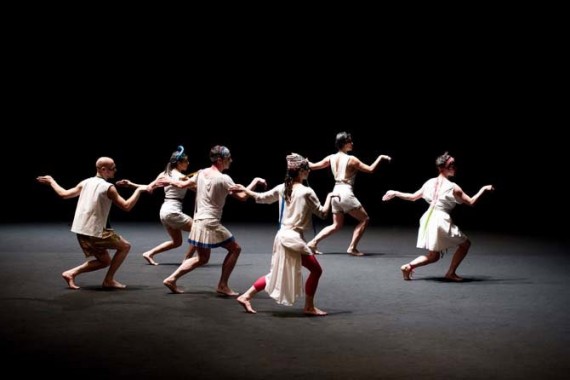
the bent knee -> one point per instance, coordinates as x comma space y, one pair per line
236, 249
105, 260
125, 246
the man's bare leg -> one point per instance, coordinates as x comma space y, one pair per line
88, 266
186, 266
119, 257
228, 265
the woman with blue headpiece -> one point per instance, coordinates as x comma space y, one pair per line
172, 216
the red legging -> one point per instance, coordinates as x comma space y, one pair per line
308, 261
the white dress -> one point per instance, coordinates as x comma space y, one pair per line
171, 213
285, 280
343, 185
437, 231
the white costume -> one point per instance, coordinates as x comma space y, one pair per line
212, 188
171, 213
437, 231
285, 281
93, 208
343, 185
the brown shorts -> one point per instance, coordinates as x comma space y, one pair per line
93, 246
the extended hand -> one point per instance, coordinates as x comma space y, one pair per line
389, 195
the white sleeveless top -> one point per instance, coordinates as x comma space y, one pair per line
339, 163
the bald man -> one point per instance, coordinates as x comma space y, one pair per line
90, 223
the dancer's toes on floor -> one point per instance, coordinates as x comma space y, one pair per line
149, 259
354, 252
172, 286
113, 285
244, 301
227, 292
407, 271
315, 312
69, 278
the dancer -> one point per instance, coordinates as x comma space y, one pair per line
212, 188
90, 223
297, 204
344, 168
437, 231
172, 217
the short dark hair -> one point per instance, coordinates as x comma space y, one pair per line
219, 151
342, 138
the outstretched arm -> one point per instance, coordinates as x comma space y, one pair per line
122, 203
406, 196
188, 181
324, 163
242, 195
266, 197
63, 193
470, 201
361, 166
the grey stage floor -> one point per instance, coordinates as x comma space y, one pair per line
509, 320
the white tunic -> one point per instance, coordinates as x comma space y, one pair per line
343, 185
92, 208
437, 231
285, 281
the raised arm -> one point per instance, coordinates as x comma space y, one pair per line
406, 196
361, 166
466, 199
63, 193
324, 163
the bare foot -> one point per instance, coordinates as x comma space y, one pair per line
313, 247
227, 292
354, 252
314, 312
243, 301
453, 277
149, 259
113, 285
68, 277
407, 271
172, 286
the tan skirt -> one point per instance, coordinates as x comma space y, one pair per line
209, 233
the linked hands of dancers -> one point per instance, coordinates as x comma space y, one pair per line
128, 183
258, 181
334, 195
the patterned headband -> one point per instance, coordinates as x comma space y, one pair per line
296, 161
449, 161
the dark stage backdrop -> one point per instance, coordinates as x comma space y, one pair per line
487, 97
